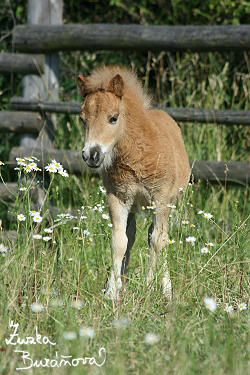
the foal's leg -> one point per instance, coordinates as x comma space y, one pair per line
119, 216
130, 232
158, 239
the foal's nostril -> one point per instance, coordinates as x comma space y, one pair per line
94, 155
84, 156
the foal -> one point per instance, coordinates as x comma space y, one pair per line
141, 156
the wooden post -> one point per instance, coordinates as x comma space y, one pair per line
45, 87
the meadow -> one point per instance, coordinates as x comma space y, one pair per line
54, 274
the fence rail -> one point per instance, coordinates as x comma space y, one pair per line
21, 63
215, 116
69, 37
72, 160
20, 122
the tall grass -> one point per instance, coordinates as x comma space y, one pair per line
57, 285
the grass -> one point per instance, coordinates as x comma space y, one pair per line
67, 274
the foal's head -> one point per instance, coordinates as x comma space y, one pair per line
102, 116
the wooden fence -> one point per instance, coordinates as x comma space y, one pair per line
28, 115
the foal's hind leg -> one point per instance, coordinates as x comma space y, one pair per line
158, 239
130, 232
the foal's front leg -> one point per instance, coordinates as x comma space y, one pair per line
119, 215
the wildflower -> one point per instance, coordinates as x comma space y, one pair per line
105, 217
37, 236
51, 168
57, 165
192, 226
180, 189
63, 173
21, 161
1, 162
200, 212
102, 189
48, 230
191, 240
3, 249
34, 212
16, 169
171, 241
36, 307
86, 332
185, 222
21, 217
77, 304
27, 168
228, 308
143, 208
121, 323
76, 228
209, 244
210, 304
207, 215
33, 166
170, 205
152, 338
69, 335
37, 218
204, 250
83, 217
23, 189
86, 232
110, 225
242, 306
47, 238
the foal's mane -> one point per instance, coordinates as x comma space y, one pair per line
101, 77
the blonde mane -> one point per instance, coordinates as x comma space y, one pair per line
101, 77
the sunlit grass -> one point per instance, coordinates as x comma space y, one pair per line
57, 285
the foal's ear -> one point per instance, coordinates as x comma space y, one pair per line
82, 85
116, 86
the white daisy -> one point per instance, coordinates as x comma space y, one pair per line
152, 338
210, 304
36, 307
21, 217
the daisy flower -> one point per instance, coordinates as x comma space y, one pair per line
36, 307
87, 332
210, 244
185, 222
86, 232
171, 241
110, 225
47, 238
34, 212
1, 162
21, 217
105, 217
210, 304
228, 308
37, 236
37, 218
21, 161
51, 168
152, 338
200, 212
76, 228
33, 166
207, 215
27, 168
102, 189
63, 173
170, 205
48, 230
204, 250
3, 249
22, 189
56, 164
242, 306
191, 240
69, 335
77, 304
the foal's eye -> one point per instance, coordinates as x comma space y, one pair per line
113, 119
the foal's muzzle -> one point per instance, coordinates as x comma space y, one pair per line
93, 157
